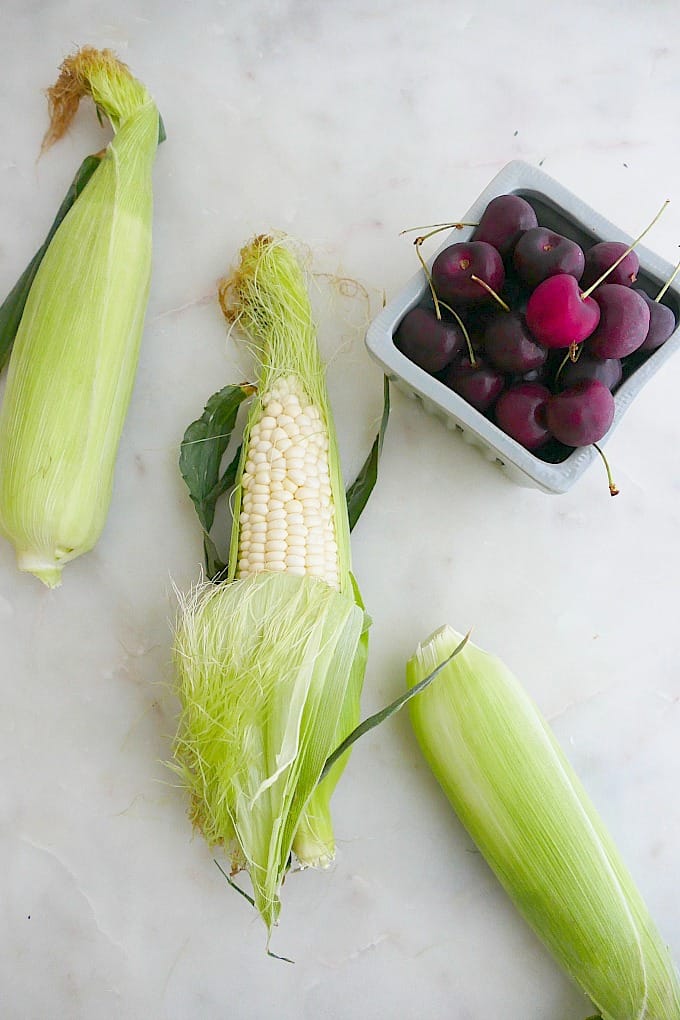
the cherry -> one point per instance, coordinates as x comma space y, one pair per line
541, 253
520, 411
606, 370
661, 323
558, 315
504, 221
509, 345
429, 342
624, 321
603, 255
462, 273
581, 414
479, 384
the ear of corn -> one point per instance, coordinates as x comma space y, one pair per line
73, 364
511, 786
270, 663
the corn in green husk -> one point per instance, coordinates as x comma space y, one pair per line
514, 791
270, 662
73, 364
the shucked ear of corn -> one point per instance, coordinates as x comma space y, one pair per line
73, 364
270, 662
514, 791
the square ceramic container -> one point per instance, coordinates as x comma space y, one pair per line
560, 210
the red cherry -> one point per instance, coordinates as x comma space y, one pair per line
558, 316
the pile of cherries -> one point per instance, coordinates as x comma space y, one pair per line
521, 324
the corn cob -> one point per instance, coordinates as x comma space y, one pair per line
287, 520
511, 786
271, 661
73, 364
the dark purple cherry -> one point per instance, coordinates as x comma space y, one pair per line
601, 256
661, 323
558, 316
581, 414
520, 411
509, 345
479, 384
606, 370
454, 268
504, 221
624, 321
429, 342
541, 253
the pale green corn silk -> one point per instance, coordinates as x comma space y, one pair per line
263, 667
73, 364
271, 667
511, 786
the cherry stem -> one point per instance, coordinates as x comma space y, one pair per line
565, 359
491, 291
668, 283
573, 354
436, 228
473, 360
587, 293
613, 488
428, 275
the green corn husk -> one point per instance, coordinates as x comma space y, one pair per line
270, 667
74, 359
516, 794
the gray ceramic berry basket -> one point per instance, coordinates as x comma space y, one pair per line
560, 210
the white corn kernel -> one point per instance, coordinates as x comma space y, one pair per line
296, 529
275, 547
277, 535
308, 493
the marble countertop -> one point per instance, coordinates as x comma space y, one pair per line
341, 124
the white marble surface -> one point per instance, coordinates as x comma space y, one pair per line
342, 124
